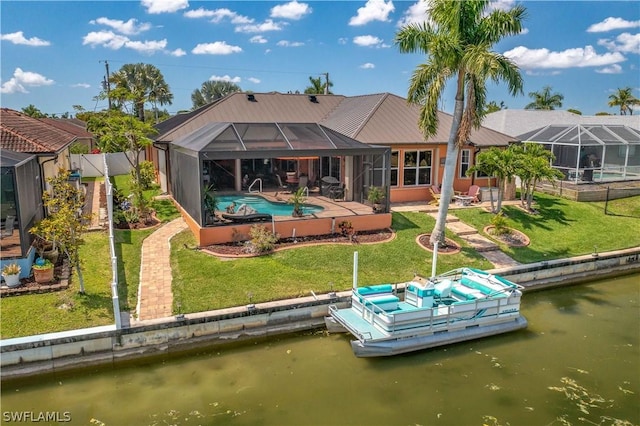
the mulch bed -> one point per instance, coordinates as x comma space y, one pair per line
450, 246
514, 238
30, 286
241, 249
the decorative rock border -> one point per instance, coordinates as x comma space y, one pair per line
457, 246
525, 241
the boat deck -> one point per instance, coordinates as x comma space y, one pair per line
358, 326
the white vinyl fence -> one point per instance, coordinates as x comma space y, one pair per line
93, 165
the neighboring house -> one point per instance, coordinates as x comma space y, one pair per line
597, 148
76, 127
514, 122
31, 150
378, 120
49, 143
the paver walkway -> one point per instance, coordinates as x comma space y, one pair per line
155, 298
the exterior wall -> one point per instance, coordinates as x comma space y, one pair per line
289, 228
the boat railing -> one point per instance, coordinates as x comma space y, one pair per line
256, 181
388, 321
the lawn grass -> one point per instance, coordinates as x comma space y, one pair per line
564, 228
202, 282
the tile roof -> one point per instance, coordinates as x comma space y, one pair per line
21, 133
381, 118
73, 126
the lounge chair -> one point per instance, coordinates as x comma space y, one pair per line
474, 191
246, 214
435, 194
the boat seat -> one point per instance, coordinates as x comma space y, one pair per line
386, 302
374, 290
466, 293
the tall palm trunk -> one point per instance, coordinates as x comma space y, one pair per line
449, 167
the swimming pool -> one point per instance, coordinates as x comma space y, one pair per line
263, 205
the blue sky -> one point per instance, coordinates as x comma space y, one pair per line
53, 53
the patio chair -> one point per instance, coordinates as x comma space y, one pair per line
280, 184
336, 192
435, 194
474, 191
303, 181
8, 226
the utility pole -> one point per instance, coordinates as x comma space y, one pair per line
326, 86
105, 83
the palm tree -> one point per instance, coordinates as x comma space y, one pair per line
545, 99
140, 83
211, 91
317, 87
625, 100
458, 43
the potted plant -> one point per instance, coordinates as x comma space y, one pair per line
375, 197
297, 199
210, 204
11, 274
42, 270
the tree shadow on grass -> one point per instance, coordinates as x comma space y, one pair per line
549, 211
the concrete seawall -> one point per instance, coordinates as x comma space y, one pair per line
105, 345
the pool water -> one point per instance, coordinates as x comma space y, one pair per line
263, 205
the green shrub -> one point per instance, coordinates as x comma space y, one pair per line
147, 175
262, 240
500, 225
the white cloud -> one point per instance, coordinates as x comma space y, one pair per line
613, 69
216, 48
131, 27
148, 47
343, 40
287, 43
367, 66
368, 41
373, 10
267, 25
227, 78
177, 53
417, 13
524, 31
625, 42
258, 39
82, 85
218, 15
19, 38
570, 58
254, 80
155, 7
20, 79
612, 24
103, 38
542, 73
110, 40
501, 5
292, 10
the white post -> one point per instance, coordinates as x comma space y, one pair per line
273, 224
434, 262
355, 270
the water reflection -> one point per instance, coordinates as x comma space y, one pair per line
578, 359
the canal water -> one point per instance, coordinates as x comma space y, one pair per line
578, 362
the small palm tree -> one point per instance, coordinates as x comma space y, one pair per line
297, 199
624, 99
317, 87
545, 100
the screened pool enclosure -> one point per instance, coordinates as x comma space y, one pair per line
591, 153
255, 157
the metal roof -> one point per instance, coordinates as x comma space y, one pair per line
583, 135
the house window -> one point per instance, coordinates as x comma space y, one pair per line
465, 162
395, 155
417, 168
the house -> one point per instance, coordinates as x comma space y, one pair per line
380, 119
601, 148
31, 151
270, 138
